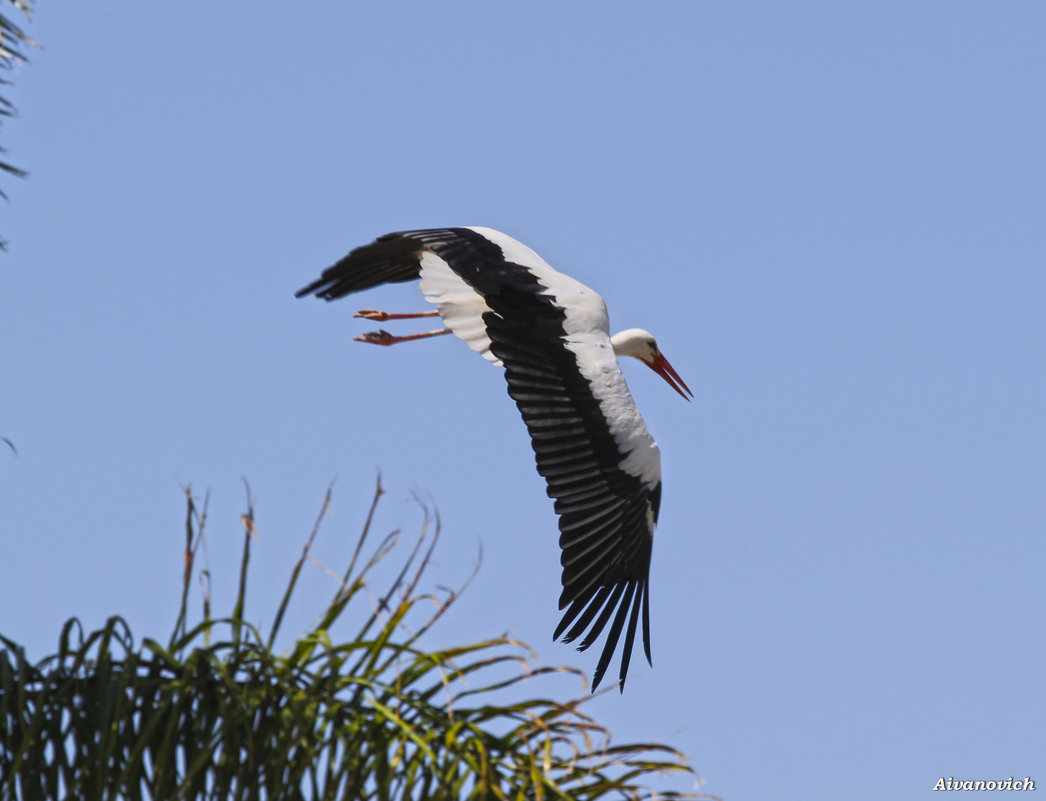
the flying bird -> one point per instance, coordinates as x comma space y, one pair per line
551, 334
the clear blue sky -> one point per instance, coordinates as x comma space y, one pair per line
833, 217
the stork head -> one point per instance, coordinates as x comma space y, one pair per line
642, 345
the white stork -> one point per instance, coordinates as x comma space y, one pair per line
551, 335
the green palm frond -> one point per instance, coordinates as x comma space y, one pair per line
12, 37
217, 713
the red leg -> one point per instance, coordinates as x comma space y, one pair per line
385, 338
381, 316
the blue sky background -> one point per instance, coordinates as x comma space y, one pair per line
833, 217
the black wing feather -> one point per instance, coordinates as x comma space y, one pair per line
393, 258
603, 512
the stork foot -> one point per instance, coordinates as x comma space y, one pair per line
376, 337
372, 314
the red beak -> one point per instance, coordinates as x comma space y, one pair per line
661, 366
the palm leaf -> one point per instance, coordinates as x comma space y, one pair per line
217, 713
11, 38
